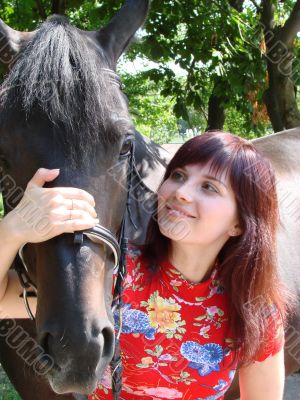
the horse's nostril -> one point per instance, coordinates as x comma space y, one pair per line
108, 337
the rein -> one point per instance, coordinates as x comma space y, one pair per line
119, 249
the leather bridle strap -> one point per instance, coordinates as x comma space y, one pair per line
100, 233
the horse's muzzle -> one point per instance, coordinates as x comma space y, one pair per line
80, 356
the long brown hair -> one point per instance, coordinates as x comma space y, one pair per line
247, 263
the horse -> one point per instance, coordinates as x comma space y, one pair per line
61, 106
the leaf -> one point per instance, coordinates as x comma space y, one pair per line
152, 353
200, 318
177, 336
158, 350
142, 365
184, 374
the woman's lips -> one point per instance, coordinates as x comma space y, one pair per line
178, 212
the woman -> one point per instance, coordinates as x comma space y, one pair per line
202, 297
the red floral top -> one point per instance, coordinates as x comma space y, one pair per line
175, 341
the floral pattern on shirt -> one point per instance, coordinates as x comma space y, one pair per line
175, 337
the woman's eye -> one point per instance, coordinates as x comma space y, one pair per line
176, 176
208, 186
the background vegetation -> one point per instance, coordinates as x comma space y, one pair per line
197, 64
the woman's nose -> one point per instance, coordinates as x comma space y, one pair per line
184, 193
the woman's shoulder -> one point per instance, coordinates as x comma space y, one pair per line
274, 338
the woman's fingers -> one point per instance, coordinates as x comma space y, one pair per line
83, 205
74, 193
42, 176
64, 214
59, 202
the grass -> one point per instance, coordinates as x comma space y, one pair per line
7, 391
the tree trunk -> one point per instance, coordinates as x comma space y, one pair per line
216, 110
280, 97
59, 7
41, 9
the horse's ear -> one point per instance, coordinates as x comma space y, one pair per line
116, 36
11, 42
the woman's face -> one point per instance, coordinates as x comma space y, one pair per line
195, 206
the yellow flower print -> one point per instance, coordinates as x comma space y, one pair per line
147, 360
163, 313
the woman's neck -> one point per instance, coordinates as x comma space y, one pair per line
193, 261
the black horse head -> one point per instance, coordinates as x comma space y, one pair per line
61, 107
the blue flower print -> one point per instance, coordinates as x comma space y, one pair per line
231, 374
221, 385
204, 358
134, 321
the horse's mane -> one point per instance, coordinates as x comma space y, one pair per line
59, 75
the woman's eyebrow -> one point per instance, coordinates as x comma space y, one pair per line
213, 178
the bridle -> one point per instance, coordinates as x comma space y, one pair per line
119, 249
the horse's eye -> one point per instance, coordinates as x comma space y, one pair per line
126, 147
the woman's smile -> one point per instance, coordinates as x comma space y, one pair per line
178, 212
190, 192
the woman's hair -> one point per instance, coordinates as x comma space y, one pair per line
247, 263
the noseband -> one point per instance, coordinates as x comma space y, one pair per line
119, 249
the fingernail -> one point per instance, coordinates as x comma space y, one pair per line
96, 220
54, 171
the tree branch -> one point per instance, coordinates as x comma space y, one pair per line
292, 26
41, 9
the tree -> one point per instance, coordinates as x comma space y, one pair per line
281, 44
226, 50
222, 49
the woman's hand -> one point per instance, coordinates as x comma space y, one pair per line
47, 212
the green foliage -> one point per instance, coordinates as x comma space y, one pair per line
217, 48
237, 123
151, 111
7, 391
